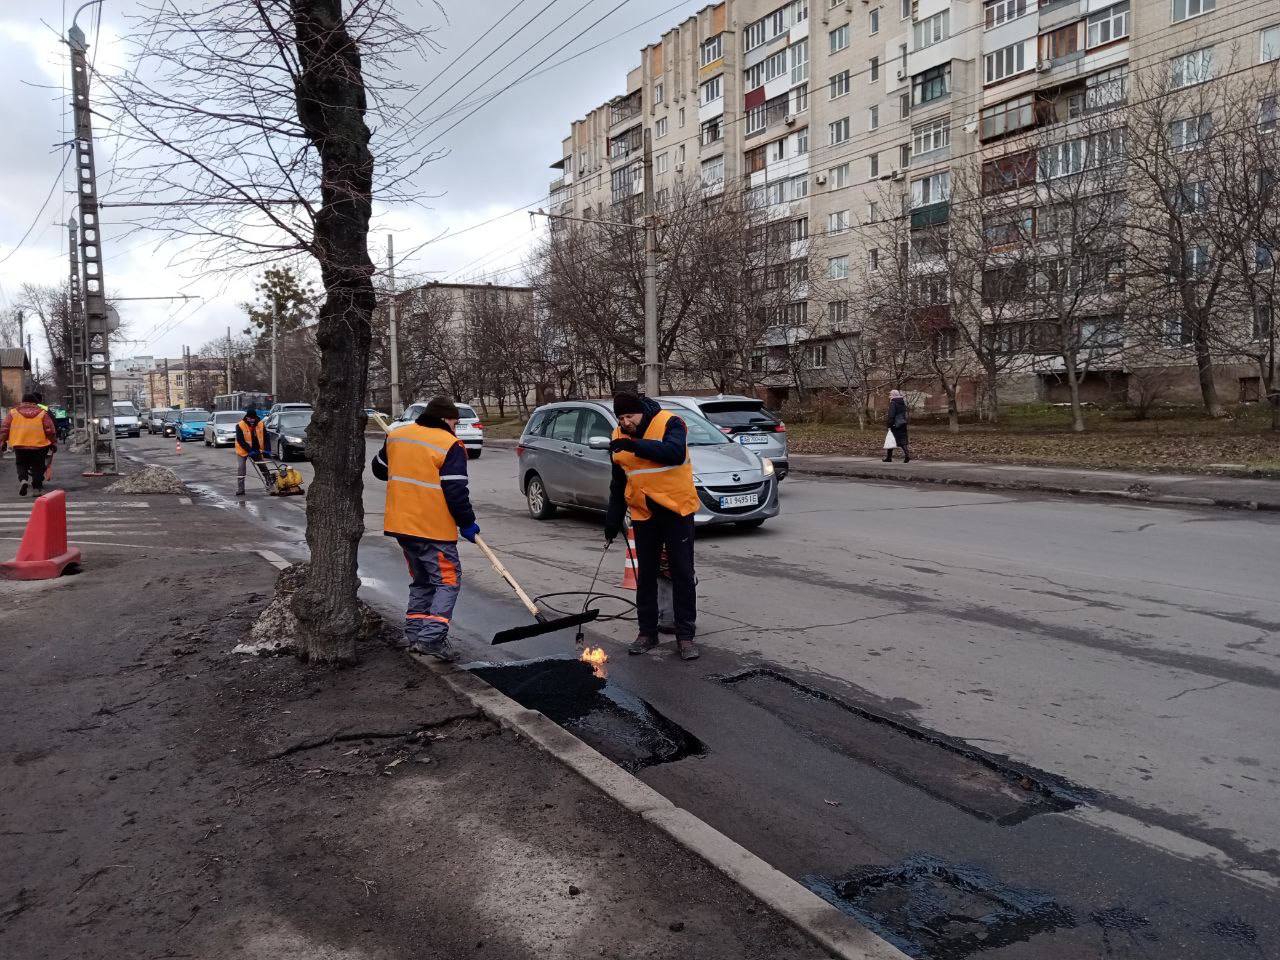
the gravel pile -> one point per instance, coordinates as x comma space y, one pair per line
150, 480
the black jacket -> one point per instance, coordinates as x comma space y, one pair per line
897, 415
453, 474
670, 451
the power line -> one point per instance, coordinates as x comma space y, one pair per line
39, 213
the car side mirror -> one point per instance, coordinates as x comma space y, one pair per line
599, 443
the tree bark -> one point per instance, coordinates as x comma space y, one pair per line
1204, 369
331, 106
1073, 384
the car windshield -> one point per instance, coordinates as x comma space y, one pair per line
125, 410
170, 415
738, 413
702, 433
295, 420
194, 416
226, 417
465, 412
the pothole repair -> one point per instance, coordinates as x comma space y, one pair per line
934, 910
625, 728
986, 786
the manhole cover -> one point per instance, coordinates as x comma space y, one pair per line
934, 910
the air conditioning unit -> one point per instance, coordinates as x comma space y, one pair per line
896, 175
1044, 66
902, 74
789, 120
971, 126
679, 167
820, 179
885, 176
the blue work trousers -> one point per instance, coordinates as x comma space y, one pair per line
436, 570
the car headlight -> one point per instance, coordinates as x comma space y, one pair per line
294, 439
767, 466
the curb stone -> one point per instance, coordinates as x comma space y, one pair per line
817, 919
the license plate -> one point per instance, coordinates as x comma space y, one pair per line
740, 500
752, 439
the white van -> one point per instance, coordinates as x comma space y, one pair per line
126, 419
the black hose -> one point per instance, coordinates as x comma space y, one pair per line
629, 613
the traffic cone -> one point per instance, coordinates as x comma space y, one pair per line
177, 447
43, 553
629, 562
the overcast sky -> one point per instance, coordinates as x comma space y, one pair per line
498, 160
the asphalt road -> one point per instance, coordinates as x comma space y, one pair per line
917, 651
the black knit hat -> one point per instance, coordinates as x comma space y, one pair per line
442, 408
627, 402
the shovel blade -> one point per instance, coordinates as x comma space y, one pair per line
544, 626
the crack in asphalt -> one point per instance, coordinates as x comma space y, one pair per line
1212, 686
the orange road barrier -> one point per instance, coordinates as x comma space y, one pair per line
43, 553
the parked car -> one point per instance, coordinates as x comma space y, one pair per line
287, 433
469, 429
564, 461
278, 407
125, 417
221, 429
155, 419
746, 421
169, 423
190, 422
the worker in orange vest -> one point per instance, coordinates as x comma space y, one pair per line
31, 432
428, 507
652, 476
251, 442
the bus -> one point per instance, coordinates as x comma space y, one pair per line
242, 399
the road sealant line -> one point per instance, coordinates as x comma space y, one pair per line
273, 558
817, 919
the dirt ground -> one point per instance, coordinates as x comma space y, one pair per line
161, 797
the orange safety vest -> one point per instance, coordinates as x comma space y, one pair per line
416, 506
671, 487
26, 432
246, 435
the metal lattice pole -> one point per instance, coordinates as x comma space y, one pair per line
75, 323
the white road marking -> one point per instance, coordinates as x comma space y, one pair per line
273, 558
185, 501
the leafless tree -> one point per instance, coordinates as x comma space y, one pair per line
250, 119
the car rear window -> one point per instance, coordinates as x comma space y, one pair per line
226, 417
465, 412
194, 416
740, 413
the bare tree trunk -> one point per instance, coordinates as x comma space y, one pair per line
1204, 369
1073, 384
331, 107
953, 409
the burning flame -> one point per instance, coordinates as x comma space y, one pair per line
597, 658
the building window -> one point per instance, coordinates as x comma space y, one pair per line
661, 163
802, 142
1102, 90
1005, 62
1186, 9
839, 85
904, 106
756, 363
873, 70
874, 20
838, 222
873, 259
838, 268
935, 188
930, 136
713, 171
713, 49
767, 27
1015, 114
1268, 113
873, 211
712, 131
1189, 132
1108, 25
873, 117
1189, 198
1269, 45
658, 92
1002, 11
838, 39
817, 356
680, 154
838, 312
660, 128
1262, 322
799, 62
932, 84
905, 9
932, 30
1192, 68
838, 132
1061, 43
1009, 172
680, 119
1195, 262
711, 91
873, 166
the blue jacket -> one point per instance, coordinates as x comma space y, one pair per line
453, 475
669, 451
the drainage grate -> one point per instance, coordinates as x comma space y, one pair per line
989, 787
934, 910
625, 728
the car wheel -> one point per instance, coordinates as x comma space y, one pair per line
540, 505
473, 454
750, 524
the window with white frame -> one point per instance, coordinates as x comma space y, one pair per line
873, 166
776, 151
713, 49
1195, 261
756, 362
838, 176
773, 66
906, 8
932, 84
1004, 62
838, 39
1189, 198
769, 26
1268, 114
873, 117
659, 91
873, 70
680, 154
873, 21
1108, 25
838, 221
838, 268
660, 128
802, 142
838, 312
713, 171
1188, 133
873, 259
711, 131
680, 119
838, 86
817, 356
1269, 44
931, 136
711, 91
1105, 89
996, 12
1002, 118
932, 30
661, 163
935, 188
904, 106
873, 211
1192, 68
799, 56
838, 132
1186, 9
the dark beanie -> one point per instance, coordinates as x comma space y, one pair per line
251, 412
627, 402
442, 408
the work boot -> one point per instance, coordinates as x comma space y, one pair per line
22, 489
906, 454
442, 651
643, 643
687, 649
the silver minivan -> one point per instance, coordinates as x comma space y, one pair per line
563, 458
744, 420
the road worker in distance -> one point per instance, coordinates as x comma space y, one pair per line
30, 431
251, 442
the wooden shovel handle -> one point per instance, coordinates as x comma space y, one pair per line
506, 575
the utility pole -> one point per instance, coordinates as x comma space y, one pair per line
228, 360
31, 362
165, 361
275, 380
75, 323
396, 407
97, 323
186, 376
651, 379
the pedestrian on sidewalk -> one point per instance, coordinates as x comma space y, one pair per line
428, 506
652, 475
29, 430
251, 444
896, 422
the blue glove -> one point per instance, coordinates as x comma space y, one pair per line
471, 532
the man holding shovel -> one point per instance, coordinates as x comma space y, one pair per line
428, 506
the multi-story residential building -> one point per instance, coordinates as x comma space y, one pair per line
841, 116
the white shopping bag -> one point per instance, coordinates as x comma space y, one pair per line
889, 442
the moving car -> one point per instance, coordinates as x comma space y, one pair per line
125, 416
287, 433
564, 461
155, 419
169, 423
469, 430
190, 422
746, 421
221, 430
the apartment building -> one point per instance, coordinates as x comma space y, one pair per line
840, 116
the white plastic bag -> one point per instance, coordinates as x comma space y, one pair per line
889, 442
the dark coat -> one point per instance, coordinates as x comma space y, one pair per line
896, 420
670, 450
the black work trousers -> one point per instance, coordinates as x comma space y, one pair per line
31, 462
665, 529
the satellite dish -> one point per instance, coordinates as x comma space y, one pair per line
113, 319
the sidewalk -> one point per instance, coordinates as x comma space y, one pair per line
165, 798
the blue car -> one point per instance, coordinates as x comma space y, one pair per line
190, 423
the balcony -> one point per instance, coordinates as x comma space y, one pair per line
934, 214
624, 109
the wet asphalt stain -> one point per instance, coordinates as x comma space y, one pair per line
935, 910
1123, 931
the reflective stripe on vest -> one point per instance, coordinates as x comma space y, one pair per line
416, 506
26, 432
670, 486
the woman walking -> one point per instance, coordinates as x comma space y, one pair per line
896, 421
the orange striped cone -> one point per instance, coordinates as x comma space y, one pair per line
629, 562
177, 447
